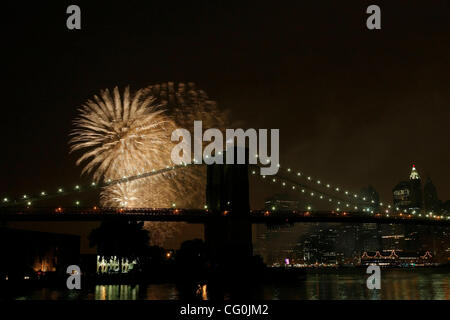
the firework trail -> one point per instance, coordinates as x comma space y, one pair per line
130, 134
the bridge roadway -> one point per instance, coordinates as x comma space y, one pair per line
203, 216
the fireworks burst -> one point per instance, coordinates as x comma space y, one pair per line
121, 136
130, 134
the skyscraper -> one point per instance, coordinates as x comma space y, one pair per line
407, 195
431, 200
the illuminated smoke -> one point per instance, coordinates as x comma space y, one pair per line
129, 134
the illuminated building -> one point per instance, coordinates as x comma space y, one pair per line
114, 265
368, 237
320, 246
407, 195
397, 259
36, 253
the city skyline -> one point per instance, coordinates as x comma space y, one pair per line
113, 112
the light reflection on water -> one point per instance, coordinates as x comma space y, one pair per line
395, 285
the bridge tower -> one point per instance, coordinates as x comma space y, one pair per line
229, 235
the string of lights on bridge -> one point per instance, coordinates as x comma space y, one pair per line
340, 206
62, 191
313, 194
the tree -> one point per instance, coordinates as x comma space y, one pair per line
124, 239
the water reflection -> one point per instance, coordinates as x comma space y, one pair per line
395, 285
116, 292
202, 291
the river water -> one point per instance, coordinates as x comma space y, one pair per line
395, 285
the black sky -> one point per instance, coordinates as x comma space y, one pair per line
354, 106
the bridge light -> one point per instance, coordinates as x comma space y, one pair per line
299, 174
174, 205
318, 181
328, 185
205, 206
256, 155
303, 190
274, 180
381, 203
364, 198
312, 194
268, 160
356, 208
389, 206
289, 169
60, 190
5, 199
278, 165
330, 200
372, 201
24, 196
355, 196
346, 192
273, 208
93, 184
77, 187
43, 193
387, 215
29, 203
347, 205
284, 183
309, 207
77, 203
293, 187
339, 202
309, 178
337, 209
337, 189
264, 177
253, 172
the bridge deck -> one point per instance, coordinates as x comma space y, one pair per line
203, 216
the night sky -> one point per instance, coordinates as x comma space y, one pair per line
354, 106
